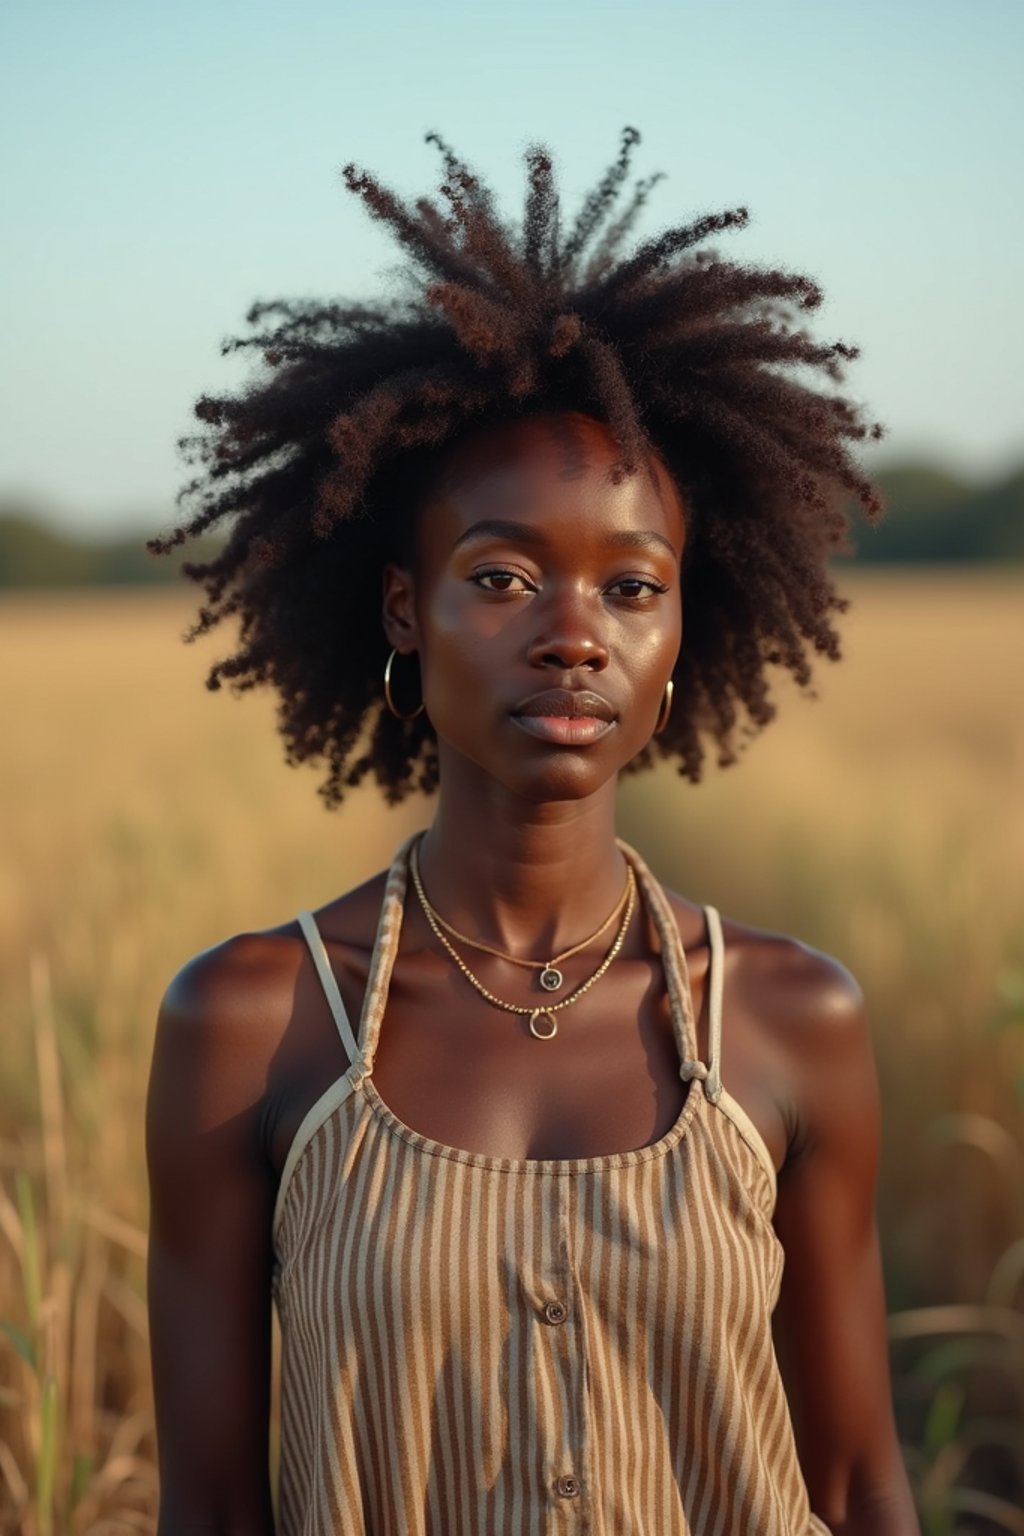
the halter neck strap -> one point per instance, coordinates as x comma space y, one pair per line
673, 960
385, 948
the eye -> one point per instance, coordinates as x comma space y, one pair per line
501, 573
640, 581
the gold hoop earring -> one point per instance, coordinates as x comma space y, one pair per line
387, 691
666, 708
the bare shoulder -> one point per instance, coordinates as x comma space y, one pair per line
796, 1044
795, 990
234, 1000
219, 1025
810, 1013
237, 980
229, 994
801, 993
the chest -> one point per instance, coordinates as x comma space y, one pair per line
470, 1076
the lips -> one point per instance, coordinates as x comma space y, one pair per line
566, 703
565, 717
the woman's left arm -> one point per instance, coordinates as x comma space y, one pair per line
830, 1321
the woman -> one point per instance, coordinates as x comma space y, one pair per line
528, 1234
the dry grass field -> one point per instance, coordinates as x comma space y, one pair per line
143, 818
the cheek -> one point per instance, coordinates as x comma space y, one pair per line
465, 646
649, 652
460, 630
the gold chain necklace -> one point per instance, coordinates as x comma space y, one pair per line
551, 977
534, 1013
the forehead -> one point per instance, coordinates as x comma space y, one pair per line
553, 465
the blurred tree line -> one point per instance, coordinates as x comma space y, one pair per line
932, 517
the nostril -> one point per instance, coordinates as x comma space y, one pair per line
577, 653
593, 662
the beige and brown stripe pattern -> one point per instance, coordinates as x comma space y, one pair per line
486, 1346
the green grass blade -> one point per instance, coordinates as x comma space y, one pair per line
31, 1265
46, 1472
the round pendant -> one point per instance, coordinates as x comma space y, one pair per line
543, 1013
551, 978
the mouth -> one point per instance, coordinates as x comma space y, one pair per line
566, 730
570, 717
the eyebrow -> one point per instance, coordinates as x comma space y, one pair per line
503, 528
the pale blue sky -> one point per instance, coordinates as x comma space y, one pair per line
164, 165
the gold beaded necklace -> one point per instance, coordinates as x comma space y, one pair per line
551, 977
435, 920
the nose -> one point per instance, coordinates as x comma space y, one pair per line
570, 637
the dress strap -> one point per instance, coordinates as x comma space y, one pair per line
710, 1072
385, 948
673, 959
318, 949
713, 1085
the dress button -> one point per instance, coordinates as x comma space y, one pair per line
556, 1312
568, 1487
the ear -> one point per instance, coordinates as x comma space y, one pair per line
398, 611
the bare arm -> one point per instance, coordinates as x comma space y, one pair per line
830, 1322
209, 1265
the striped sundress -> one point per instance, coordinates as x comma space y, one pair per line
492, 1346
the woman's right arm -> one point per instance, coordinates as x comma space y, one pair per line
210, 1256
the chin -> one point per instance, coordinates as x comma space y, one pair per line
537, 776
562, 776
552, 792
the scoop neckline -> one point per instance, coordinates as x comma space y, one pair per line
598, 1163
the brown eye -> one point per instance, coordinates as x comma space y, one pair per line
498, 573
639, 581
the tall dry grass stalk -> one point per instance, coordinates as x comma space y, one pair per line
70, 1465
142, 819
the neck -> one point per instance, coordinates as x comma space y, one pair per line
529, 878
